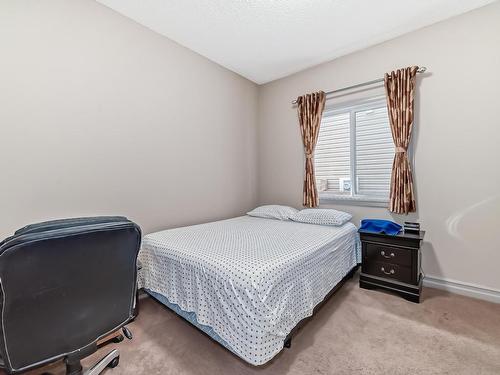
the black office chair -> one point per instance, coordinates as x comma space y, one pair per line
65, 284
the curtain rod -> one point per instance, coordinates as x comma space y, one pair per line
422, 69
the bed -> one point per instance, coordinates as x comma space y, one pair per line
247, 282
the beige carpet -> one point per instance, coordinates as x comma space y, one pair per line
357, 332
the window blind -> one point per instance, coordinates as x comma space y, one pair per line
355, 141
374, 152
332, 155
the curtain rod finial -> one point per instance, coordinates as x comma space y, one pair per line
422, 69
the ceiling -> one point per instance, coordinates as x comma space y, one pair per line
264, 40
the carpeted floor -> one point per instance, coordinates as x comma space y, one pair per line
357, 332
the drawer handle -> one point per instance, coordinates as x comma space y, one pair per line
391, 255
391, 272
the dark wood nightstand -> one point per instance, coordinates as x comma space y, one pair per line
392, 263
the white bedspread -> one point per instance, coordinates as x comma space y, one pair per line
250, 279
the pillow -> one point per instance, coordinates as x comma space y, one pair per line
273, 211
322, 216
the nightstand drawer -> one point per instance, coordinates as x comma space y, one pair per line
388, 270
383, 253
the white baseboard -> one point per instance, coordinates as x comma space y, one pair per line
464, 289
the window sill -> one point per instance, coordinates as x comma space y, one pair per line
329, 198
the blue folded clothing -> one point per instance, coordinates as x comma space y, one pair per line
380, 226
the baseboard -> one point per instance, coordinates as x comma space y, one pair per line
464, 289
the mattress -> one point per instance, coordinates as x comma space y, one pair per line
250, 280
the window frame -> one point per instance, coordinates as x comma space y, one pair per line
352, 107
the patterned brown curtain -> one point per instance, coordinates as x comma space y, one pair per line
310, 108
400, 91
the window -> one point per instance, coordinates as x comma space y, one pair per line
354, 153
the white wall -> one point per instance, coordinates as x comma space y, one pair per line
99, 115
456, 141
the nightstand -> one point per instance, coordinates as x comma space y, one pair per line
392, 263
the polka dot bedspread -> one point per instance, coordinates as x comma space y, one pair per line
250, 279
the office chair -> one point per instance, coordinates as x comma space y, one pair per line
65, 284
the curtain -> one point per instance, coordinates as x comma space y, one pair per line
400, 91
310, 108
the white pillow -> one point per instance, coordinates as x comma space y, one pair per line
273, 211
322, 216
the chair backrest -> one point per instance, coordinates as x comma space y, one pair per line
64, 285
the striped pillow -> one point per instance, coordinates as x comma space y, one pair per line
322, 216
273, 211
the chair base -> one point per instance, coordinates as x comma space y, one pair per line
110, 360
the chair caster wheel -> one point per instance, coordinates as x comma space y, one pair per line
118, 339
127, 333
114, 362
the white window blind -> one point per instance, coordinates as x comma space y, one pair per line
332, 155
354, 153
